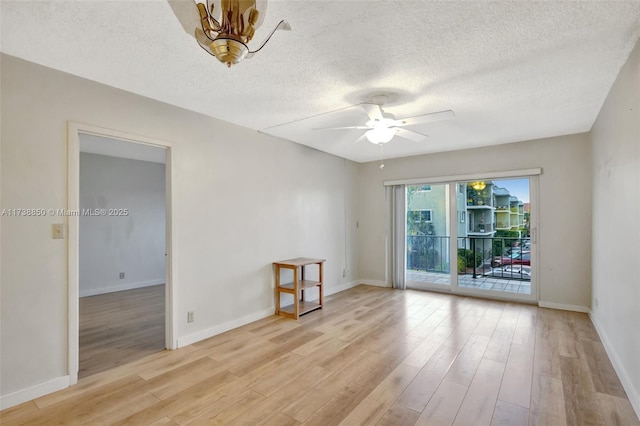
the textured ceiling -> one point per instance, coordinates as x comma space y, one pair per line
511, 71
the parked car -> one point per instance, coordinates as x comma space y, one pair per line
512, 271
498, 261
523, 258
516, 258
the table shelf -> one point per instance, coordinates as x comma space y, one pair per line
298, 286
303, 284
303, 308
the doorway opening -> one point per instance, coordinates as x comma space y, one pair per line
120, 295
122, 252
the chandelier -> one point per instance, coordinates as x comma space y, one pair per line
478, 185
224, 28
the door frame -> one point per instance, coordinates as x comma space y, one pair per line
74, 130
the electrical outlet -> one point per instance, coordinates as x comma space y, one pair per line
596, 301
344, 273
122, 275
190, 316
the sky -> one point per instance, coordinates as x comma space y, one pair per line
516, 187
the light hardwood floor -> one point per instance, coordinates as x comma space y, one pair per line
370, 356
121, 327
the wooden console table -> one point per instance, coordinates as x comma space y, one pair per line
297, 287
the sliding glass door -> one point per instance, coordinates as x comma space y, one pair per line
428, 241
496, 243
493, 251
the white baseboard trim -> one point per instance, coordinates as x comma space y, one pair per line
120, 287
213, 331
341, 287
564, 307
376, 283
219, 329
33, 392
627, 383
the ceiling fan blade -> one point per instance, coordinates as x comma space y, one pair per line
411, 135
203, 41
187, 13
342, 128
362, 138
373, 111
427, 118
282, 25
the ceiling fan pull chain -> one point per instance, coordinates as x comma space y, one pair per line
381, 155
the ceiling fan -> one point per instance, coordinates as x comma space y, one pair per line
383, 126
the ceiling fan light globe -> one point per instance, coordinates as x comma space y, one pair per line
380, 135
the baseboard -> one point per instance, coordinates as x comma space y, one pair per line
120, 287
213, 331
219, 329
564, 307
376, 283
627, 383
33, 392
342, 287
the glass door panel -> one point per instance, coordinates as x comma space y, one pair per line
494, 246
428, 259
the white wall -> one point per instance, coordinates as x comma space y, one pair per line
242, 200
565, 207
615, 139
133, 243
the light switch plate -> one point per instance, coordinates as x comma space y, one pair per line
57, 231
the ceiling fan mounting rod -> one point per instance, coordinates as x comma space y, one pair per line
380, 99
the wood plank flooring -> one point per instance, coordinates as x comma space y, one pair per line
121, 327
370, 356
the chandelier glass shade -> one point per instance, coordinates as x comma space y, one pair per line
224, 28
478, 185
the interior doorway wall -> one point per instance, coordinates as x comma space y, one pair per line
106, 142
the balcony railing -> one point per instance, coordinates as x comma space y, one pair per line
482, 228
428, 253
480, 202
499, 257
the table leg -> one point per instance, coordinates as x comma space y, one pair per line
302, 289
277, 289
320, 289
296, 288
